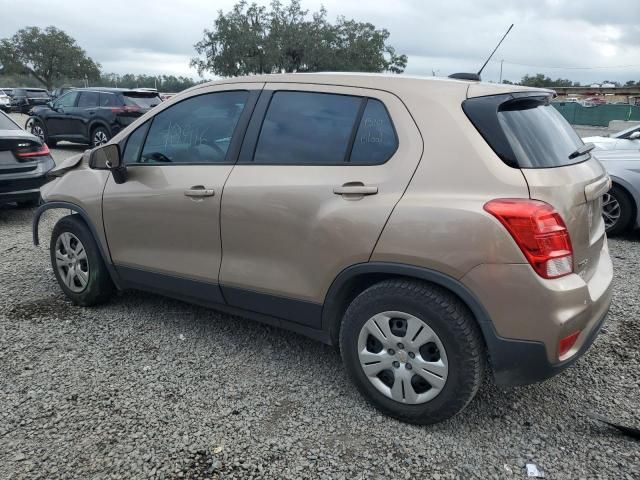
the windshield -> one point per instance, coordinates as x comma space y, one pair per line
141, 100
625, 133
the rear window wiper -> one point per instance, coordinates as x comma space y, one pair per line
583, 150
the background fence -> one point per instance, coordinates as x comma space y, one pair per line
599, 115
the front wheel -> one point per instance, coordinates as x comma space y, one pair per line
99, 136
413, 350
77, 263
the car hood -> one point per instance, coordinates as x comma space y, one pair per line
617, 155
598, 140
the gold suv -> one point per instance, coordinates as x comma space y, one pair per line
433, 229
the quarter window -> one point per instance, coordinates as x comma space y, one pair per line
196, 130
88, 100
134, 144
307, 128
376, 139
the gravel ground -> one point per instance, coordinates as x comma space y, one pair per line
147, 387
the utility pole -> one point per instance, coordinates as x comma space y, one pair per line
501, 62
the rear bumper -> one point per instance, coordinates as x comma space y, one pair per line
529, 315
24, 187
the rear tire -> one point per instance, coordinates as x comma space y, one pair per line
77, 263
617, 210
450, 328
99, 136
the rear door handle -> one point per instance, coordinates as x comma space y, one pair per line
199, 191
355, 189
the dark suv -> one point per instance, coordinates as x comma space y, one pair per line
89, 115
23, 99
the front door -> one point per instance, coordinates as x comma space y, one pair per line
58, 118
162, 224
315, 183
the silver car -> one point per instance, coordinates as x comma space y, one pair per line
620, 204
628, 139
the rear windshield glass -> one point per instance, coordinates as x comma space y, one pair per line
142, 101
6, 123
525, 132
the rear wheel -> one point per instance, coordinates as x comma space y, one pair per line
99, 136
413, 350
77, 263
617, 210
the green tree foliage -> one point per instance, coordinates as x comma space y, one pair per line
164, 83
285, 38
540, 80
48, 55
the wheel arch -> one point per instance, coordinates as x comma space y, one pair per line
84, 216
95, 123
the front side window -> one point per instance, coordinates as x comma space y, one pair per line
88, 100
67, 100
307, 128
196, 130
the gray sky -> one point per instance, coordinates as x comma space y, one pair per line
444, 36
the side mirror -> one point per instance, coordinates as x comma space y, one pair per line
634, 136
108, 158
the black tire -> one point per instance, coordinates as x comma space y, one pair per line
99, 287
626, 211
448, 317
97, 131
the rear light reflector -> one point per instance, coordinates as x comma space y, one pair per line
539, 231
567, 343
125, 109
31, 150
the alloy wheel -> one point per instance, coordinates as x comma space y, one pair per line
610, 210
37, 130
402, 357
72, 262
99, 138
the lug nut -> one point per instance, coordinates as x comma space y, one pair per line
408, 366
412, 355
391, 351
400, 346
396, 364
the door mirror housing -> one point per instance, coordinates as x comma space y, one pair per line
108, 157
634, 136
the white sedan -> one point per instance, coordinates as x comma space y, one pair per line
628, 139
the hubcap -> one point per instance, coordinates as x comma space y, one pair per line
72, 262
100, 138
37, 131
610, 210
402, 357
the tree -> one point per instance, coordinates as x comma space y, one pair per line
48, 55
540, 80
252, 39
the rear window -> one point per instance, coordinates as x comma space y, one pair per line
37, 94
525, 131
142, 101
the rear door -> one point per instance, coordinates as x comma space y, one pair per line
319, 173
162, 224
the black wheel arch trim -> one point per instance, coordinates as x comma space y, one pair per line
115, 278
513, 362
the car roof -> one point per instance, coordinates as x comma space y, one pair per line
115, 90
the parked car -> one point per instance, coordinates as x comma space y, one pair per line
89, 115
24, 99
628, 139
621, 204
431, 228
24, 163
5, 101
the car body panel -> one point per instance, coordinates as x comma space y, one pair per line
623, 166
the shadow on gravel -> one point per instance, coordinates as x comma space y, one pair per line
43, 309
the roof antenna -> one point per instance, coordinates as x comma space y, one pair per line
476, 76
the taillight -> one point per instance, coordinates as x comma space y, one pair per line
126, 108
31, 150
539, 231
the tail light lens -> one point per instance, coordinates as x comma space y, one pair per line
540, 233
29, 150
126, 109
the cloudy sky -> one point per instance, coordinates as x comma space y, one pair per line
561, 38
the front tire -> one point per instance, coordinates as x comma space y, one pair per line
99, 136
77, 263
413, 350
617, 210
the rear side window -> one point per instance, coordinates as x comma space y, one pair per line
88, 100
37, 94
307, 128
525, 131
196, 130
376, 139
109, 100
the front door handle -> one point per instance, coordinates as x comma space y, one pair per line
355, 188
199, 191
